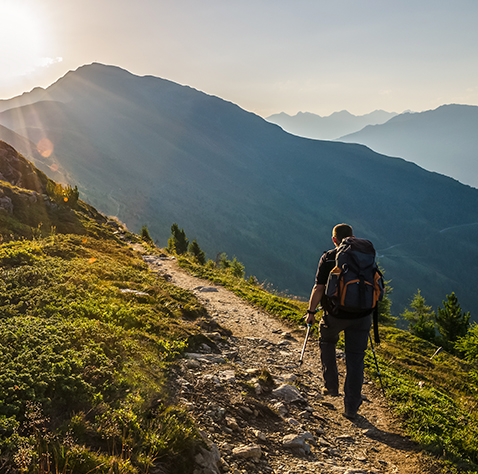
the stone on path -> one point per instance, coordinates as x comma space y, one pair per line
253, 451
288, 393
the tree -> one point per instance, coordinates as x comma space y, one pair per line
421, 318
195, 250
177, 243
237, 268
145, 235
467, 346
452, 322
222, 261
384, 307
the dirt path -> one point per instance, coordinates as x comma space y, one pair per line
253, 427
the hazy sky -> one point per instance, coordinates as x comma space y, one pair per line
267, 56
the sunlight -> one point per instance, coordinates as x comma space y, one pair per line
22, 38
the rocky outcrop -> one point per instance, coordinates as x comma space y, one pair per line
18, 171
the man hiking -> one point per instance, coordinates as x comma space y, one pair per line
355, 324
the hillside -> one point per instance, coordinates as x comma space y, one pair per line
93, 326
338, 124
153, 152
442, 140
81, 320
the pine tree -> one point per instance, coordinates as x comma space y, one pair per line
384, 307
195, 250
452, 322
145, 234
237, 268
177, 243
467, 346
421, 318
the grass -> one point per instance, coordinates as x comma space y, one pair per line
83, 364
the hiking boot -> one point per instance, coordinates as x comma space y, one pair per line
350, 415
332, 393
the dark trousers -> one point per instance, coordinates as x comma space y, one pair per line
356, 339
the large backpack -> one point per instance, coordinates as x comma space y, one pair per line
355, 284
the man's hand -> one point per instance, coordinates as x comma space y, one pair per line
310, 318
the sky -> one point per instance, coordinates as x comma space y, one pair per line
267, 56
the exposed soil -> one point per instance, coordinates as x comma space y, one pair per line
226, 387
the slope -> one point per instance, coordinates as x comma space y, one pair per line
154, 152
442, 140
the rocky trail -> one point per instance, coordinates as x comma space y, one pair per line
259, 411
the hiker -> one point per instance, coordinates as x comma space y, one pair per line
356, 326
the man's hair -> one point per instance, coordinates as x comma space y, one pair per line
341, 231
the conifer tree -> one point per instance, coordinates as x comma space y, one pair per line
467, 346
195, 250
177, 243
452, 322
421, 318
384, 307
237, 268
145, 234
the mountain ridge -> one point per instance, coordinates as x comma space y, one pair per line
442, 140
309, 125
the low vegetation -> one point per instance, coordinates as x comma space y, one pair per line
87, 335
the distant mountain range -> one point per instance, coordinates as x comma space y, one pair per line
306, 124
152, 152
444, 140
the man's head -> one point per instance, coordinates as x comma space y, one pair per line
340, 232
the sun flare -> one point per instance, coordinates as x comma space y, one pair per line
22, 38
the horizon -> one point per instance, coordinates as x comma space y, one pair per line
267, 58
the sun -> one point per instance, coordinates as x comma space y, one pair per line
22, 38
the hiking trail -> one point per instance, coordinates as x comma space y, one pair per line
253, 424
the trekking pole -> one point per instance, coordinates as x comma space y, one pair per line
305, 343
376, 363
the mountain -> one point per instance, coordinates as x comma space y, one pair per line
152, 152
442, 140
306, 124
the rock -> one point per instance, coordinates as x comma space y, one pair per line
211, 358
287, 378
281, 408
228, 376
205, 348
293, 441
289, 393
246, 410
309, 437
252, 451
232, 423
293, 422
284, 343
193, 364
259, 435
206, 289
209, 459
6, 204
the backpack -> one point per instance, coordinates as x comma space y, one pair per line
355, 284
